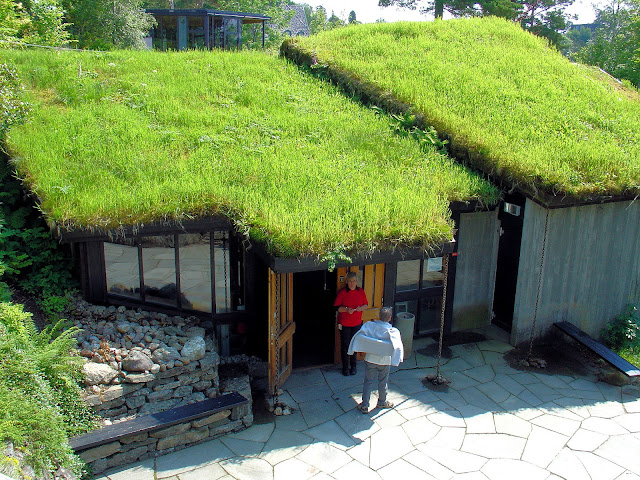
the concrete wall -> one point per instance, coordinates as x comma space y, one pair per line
475, 270
591, 268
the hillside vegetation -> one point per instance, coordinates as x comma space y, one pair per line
510, 105
133, 137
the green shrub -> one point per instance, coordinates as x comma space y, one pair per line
621, 333
13, 109
39, 392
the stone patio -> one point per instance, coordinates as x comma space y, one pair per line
491, 422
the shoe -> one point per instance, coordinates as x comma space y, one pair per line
353, 371
345, 372
385, 404
363, 408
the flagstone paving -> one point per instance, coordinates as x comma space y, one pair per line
491, 422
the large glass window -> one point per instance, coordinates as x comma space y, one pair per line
419, 292
194, 271
122, 269
159, 266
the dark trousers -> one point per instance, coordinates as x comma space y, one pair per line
346, 334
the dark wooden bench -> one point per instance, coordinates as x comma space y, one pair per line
608, 355
157, 421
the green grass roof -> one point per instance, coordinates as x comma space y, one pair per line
510, 105
124, 138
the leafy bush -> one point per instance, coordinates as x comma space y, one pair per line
621, 333
39, 392
13, 109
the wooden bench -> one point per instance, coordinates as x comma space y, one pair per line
157, 421
613, 358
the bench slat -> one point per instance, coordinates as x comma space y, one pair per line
165, 419
610, 356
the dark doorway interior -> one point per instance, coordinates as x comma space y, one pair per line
511, 221
313, 296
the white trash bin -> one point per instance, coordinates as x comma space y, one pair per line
405, 323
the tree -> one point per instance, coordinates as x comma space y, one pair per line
614, 46
335, 21
106, 24
13, 20
33, 21
352, 18
545, 18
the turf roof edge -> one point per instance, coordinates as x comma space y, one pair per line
370, 94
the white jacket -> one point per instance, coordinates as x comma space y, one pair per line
380, 341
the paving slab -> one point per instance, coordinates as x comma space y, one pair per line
357, 425
630, 421
361, 452
303, 378
509, 469
598, 467
542, 446
459, 380
472, 476
509, 383
420, 430
447, 419
584, 384
510, 424
349, 398
530, 398
293, 468
324, 457
557, 424
355, 470
494, 391
248, 468
191, 458
388, 445
494, 445
255, 433
428, 464
494, 358
294, 422
450, 396
605, 426
457, 364
617, 449
319, 411
470, 352
284, 444
494, 346
425, 398
244, 448
331, 432
477, 420
426, 361
475, 397
401, 469
138, 471
307, 393
481, 374
567, 465
210, 472
454, 460
606, 409
553, 408
387, 417
447, 437
524, 378
553, 381
631, 404
610, 392
586, 440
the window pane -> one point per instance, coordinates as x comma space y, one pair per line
432, 273
408, 275
223, 272
158, 259
429, 318
195, 271
121, 265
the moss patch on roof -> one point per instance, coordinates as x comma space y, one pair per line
510, 105
126, 138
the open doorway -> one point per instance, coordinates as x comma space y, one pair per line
313, 296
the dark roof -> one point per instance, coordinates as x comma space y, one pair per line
199, 12
298, 24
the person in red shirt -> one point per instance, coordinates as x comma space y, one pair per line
350, 302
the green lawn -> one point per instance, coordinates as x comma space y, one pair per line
510, 105
129, 137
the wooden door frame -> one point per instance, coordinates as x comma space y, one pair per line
281, 328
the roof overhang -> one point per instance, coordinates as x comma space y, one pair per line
201, 12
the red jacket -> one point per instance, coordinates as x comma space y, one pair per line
351, 299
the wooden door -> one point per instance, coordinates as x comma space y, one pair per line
281, 328
372, 280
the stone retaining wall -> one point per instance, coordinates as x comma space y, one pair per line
140, 446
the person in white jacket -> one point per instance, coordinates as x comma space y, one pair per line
383, 346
